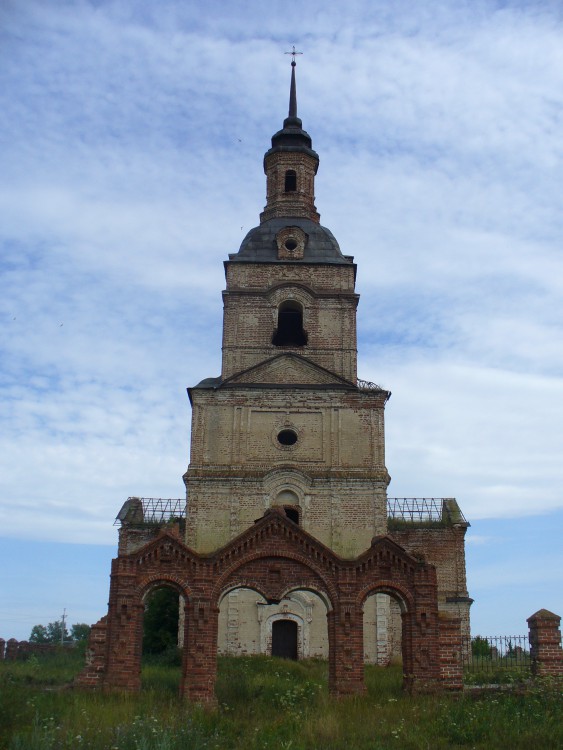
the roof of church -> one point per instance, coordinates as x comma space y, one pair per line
259, 245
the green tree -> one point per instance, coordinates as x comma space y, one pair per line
480, 647
39, 634
50, 633
80, 631
160, 624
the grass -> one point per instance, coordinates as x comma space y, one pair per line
263, 703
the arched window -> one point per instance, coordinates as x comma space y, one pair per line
290, 181
290, 326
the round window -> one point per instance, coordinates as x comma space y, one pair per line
290, 244
287, 437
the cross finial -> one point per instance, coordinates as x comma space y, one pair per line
293, 53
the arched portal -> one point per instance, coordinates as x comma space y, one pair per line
276, 560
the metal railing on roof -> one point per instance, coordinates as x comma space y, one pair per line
367, 385
421, 510
150, 510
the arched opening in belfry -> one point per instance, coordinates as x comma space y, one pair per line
284, 639
289, 331
290, 183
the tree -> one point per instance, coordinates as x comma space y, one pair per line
160, 624
39, 634
80, 631
480, 647
50, 633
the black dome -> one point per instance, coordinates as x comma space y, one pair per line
259, 245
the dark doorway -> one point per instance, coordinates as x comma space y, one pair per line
284, 639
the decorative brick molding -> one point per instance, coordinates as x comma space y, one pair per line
274, 557
545, 643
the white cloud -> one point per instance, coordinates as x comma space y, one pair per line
132, 142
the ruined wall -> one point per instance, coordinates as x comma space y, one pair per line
443, 547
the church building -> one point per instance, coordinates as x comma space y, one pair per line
288, 448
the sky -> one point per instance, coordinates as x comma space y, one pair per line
131, 142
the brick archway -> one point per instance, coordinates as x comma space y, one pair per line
272, 557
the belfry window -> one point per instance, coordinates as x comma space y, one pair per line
290, 181
290, 326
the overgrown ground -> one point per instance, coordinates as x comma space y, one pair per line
264, 703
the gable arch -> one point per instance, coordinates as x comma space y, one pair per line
268, 572
294, 591
401, 594
148, 584
242, 584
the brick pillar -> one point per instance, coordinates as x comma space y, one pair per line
545, 643
199, 665
346, 650
93, 674
451, 667
12, 650
2, 648
421, 667
125, 642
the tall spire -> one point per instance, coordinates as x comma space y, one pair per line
290, 166
292, 116
292, 92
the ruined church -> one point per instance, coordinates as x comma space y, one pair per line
287, 543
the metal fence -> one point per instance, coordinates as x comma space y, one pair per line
150, 510
497, 658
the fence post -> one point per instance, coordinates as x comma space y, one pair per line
545, 643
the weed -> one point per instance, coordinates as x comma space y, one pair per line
264, 703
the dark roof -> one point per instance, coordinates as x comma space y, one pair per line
259, 245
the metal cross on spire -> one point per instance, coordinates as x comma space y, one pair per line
293, 53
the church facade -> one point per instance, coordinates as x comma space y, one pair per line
287, 521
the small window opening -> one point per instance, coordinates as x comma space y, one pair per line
290, 245
293, 514
290, 326
290, 181
287, 437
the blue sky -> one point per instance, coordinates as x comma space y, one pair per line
132, 137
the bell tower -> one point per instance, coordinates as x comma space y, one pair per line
288, 423
291, 546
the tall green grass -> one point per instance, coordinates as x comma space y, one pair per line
264, 703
